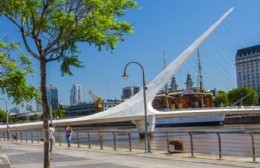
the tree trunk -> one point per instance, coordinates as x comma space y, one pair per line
45, 113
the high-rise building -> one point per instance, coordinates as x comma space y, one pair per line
29, 107
248, 67
39, 103
75, 94
52, 96
129, 92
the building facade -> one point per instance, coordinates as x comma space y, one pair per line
248, 67
128, 92
88, 108
75, 94
52, 96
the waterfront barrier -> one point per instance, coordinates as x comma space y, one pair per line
216, 143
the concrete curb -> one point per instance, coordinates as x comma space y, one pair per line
4, 161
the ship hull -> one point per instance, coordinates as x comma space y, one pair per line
210, 120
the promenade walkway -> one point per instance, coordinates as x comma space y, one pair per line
30, 155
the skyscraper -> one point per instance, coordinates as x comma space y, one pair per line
129, 92
248, 67
52, 96
75, 94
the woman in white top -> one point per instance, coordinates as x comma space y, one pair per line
51, 136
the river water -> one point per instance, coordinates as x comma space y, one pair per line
232, 141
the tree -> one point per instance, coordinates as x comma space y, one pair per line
14, 66
2, 115
51, 30
58, 113
221, 99
244, 96
34, 117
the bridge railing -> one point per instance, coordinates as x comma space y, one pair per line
243, 144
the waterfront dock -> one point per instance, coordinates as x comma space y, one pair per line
30, 155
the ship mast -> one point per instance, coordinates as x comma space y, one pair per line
166, 85
200, 79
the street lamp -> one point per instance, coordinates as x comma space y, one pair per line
7, 119
57, 118
147, 139
50, 105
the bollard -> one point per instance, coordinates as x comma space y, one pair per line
114, 139
130, 142
178, 145
219, 146
191, 145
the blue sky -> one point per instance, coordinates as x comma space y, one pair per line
161, 26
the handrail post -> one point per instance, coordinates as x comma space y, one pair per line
39, 137
60, 140
130, 141
253, 146
21, 135
219, 146
191, 145
78, 139
167, 142
114, 139
26, 137
89, 146
16, 136
31, 137
101, 141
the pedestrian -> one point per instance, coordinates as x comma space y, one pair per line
51, 136
68, 134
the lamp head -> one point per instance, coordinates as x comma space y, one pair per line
125, 76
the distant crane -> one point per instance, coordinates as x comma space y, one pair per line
97, 100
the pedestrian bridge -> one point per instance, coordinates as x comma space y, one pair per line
133, 108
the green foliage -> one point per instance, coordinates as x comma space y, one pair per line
14, 66
221, 99
249, 95
2, 115
58, 113
34, 117
52, 29
57, 26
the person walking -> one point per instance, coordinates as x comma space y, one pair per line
51, 137
68, 134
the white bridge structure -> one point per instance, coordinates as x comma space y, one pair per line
133, 108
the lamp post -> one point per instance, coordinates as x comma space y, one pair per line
147, 139
7, 118
50, 105
57, 118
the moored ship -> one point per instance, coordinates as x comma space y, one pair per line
188, 99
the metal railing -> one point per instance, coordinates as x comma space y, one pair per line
231, 143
